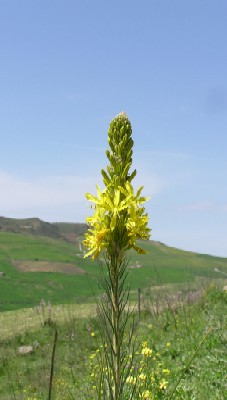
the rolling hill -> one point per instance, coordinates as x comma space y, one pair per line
39, 260
35, 226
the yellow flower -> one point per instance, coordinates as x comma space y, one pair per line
146, 352
142, 377
121, 208
166, 371
146, 395
163, 384
131, 380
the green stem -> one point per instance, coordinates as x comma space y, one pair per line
116, 331
52, 365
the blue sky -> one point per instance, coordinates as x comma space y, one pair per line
68, 67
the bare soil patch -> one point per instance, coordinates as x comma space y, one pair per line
46, 266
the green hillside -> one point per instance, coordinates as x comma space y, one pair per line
67, 277
35, 226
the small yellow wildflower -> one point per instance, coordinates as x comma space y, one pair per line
146, 395
168, 344
142, 377
166, 371
146, 352
163, 384
131, 380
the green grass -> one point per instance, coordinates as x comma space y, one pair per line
165, 277
162, 265
184, 328
18, 322
19, 289
27, 377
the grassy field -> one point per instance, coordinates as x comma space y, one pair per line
173, 335
20, 289
46, 284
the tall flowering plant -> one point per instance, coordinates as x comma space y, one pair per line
119, 219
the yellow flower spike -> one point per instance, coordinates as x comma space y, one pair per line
118, 209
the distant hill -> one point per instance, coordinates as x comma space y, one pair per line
37, 227
41, 260
70, 231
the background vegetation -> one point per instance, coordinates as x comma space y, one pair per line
173, 334
162, 265
182, 301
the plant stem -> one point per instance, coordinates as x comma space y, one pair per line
52, 364
116, 330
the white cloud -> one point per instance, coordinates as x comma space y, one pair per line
57, 197
205, 206
20, 196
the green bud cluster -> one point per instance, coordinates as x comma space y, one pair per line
120, 153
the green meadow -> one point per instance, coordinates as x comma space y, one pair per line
46, 286
162, 265
186, 344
